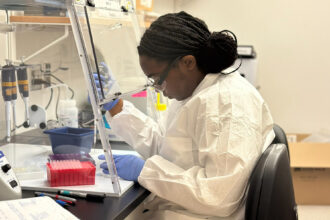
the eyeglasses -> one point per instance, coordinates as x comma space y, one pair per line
158, 82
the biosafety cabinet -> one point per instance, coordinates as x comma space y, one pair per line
63, 47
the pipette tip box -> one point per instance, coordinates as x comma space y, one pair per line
70, 173
81, 157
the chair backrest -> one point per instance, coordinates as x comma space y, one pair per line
280, 137
270, 192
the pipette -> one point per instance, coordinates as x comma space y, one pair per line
13, 91
6, 85
23, 86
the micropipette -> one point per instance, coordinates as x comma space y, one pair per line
7, 96
13, 91
23, 86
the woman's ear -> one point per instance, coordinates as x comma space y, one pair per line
189, 62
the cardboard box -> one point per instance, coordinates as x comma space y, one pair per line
144, 5
310, 167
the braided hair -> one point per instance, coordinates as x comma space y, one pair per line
179, 34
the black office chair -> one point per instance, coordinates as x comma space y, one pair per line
280, 136
270, 192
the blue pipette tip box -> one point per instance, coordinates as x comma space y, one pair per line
68, 140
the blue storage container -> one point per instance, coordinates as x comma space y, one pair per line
67, 140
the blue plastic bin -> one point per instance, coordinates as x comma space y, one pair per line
67, 140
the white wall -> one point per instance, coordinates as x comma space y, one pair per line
162, 7
292, 43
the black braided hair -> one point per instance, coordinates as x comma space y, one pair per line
179, 34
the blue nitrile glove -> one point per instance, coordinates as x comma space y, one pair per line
128, 166
107, 81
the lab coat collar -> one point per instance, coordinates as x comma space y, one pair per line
208, 80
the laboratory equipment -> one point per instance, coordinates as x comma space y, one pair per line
67, 140
70, 173
83, 195
160, 106
23, 87
90, 27
248, 68
8, 80
13, 92
9, 93
37, 115
68, 113
79, 156
5, 28
9, 185
55, 196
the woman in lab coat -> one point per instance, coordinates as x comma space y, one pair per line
198, 165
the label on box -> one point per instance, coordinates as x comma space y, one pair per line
311, 174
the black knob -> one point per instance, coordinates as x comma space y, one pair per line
26, 124
13, 183
42, 125
91, 3
34, 108
6, 167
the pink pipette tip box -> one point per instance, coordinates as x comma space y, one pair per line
70, 173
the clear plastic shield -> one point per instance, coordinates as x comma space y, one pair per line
107, 45
115, 36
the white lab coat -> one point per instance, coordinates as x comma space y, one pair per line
199, 165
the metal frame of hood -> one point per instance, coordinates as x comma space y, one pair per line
92, 91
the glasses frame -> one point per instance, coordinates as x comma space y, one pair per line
164, 74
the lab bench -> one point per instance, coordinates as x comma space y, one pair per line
111, 207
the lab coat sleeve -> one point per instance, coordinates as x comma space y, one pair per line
229, 141
137, 129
